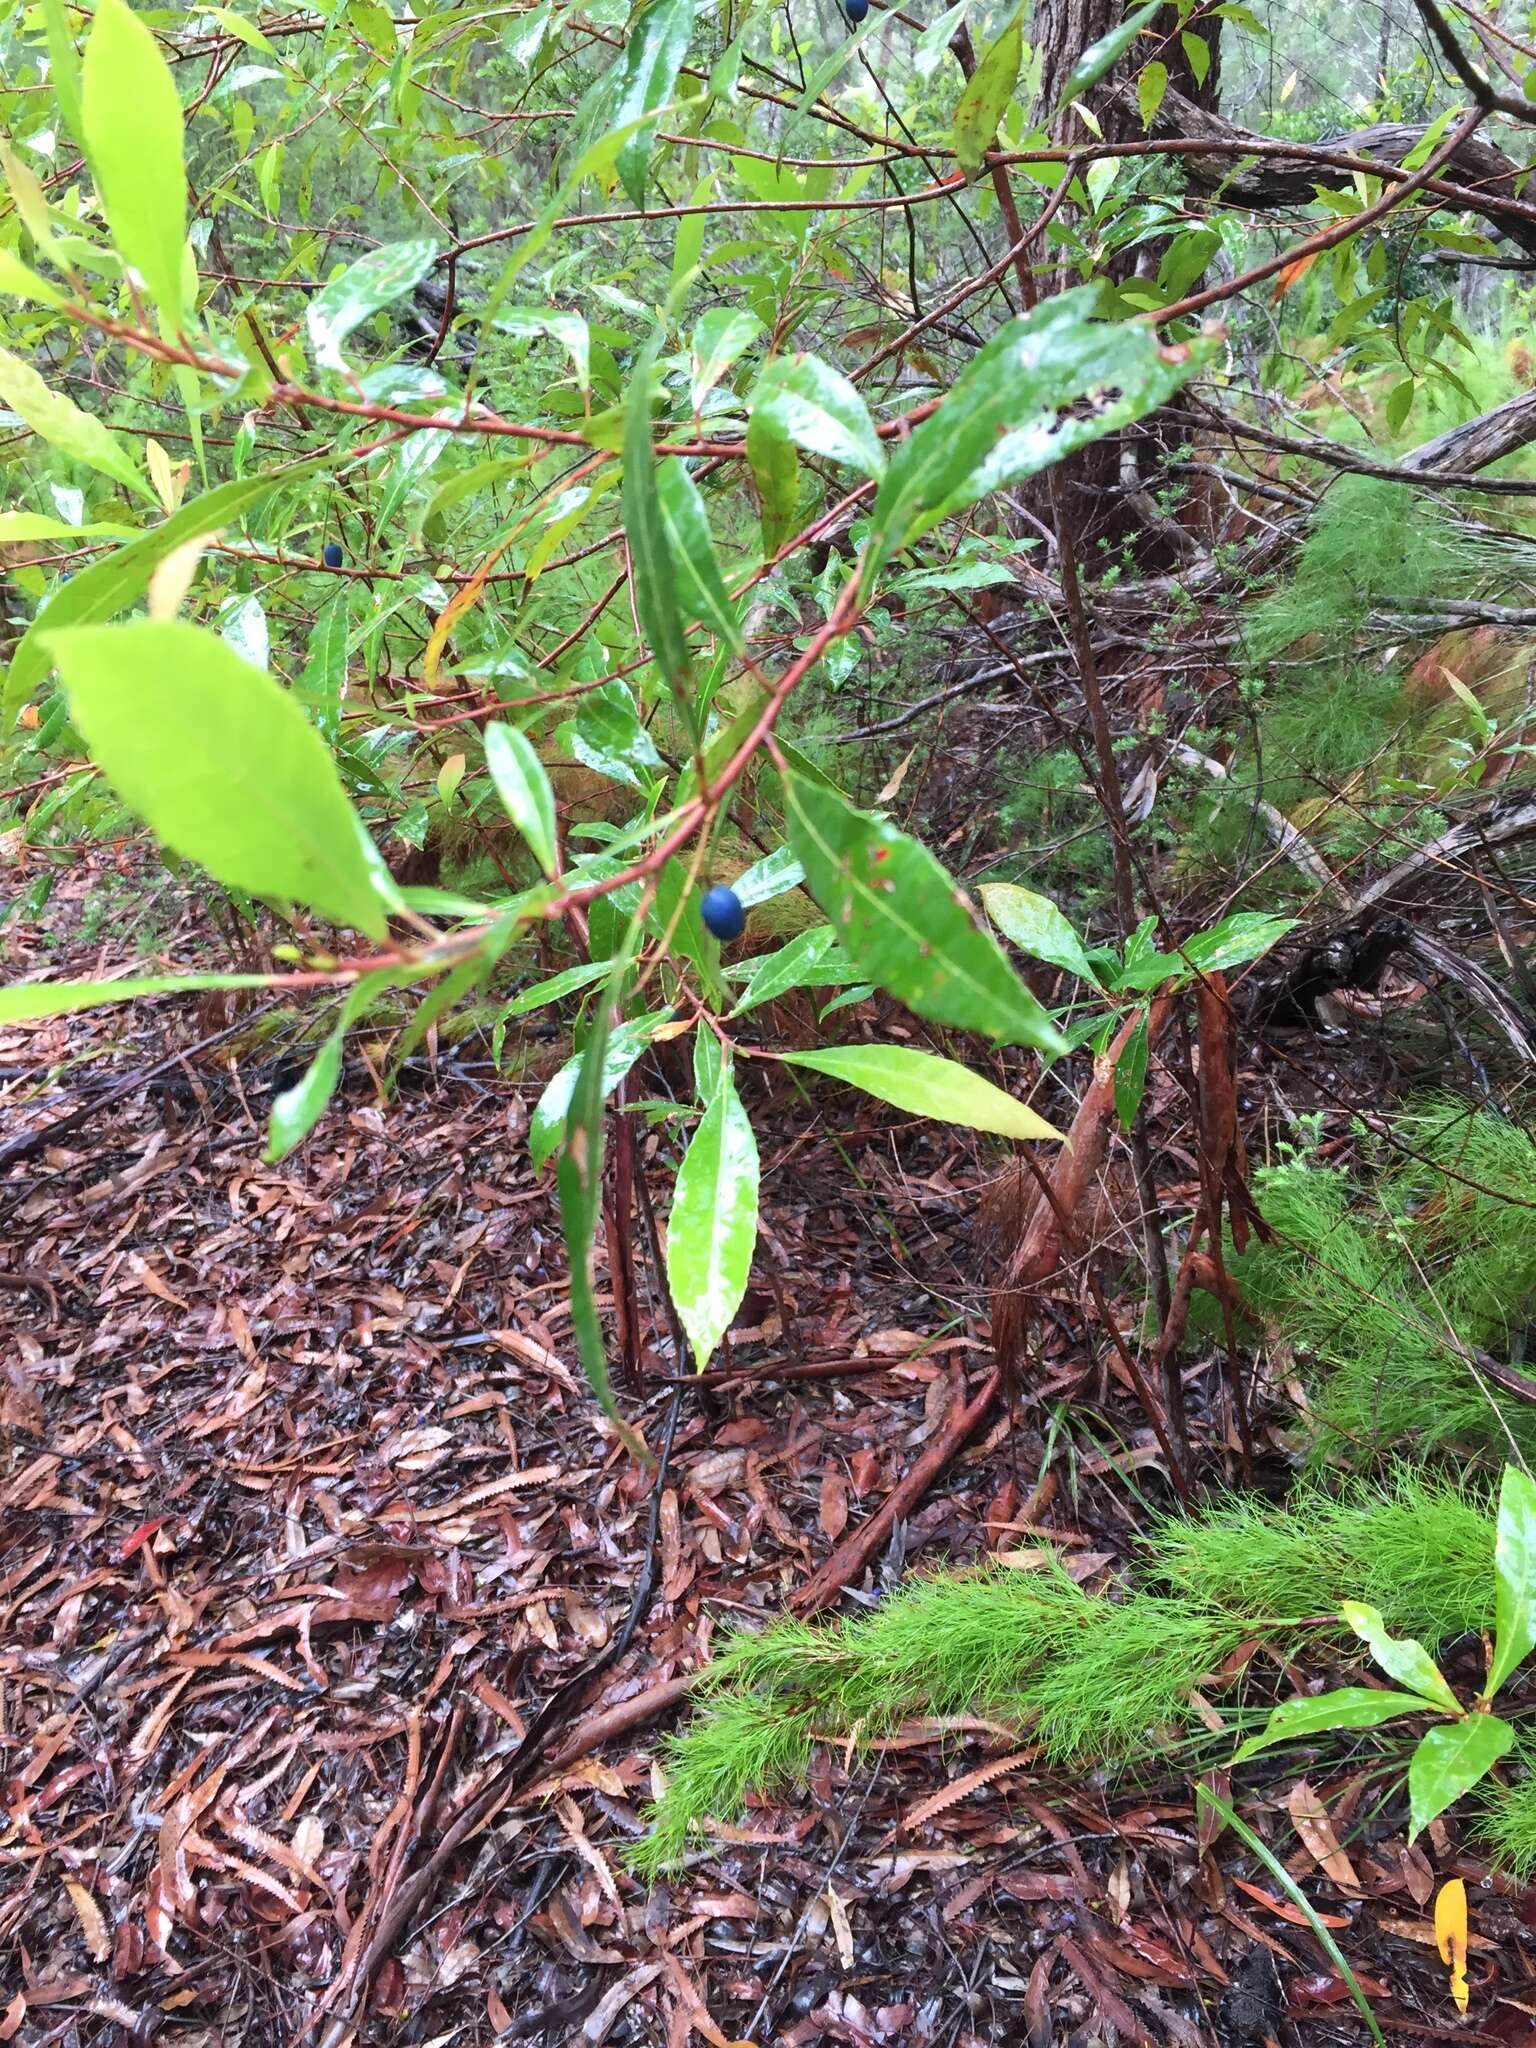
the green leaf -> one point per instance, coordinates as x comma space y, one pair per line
700, 586
220, 762
841, 54
1103, 55
654, 51
607, 735
1131, 1074
774, 875
720, 337
61, 423
1150, 88
64, 67
927, 1085
108, 585
25, 1001
579, 1174
18, 282
1401, 1657
38, 526
776, 473
1235, 940
567, 982
1352, 1706
524, 788
297, 1110
987, 92
1035, 925
929, 50
806, 401
904, 923
1197, 54
362, 289
1514, 1571
133, 138
650, 554
811, 959
325, 669
1450, 1761
622, 1046
1042, 387
712, 1230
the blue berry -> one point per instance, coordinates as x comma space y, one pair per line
331, 554
722, 912
856, 9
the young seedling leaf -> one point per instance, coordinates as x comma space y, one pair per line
1450, 1760
220, 762
1514, 1568
713, 1226
927, 1085
523, 785
1401, 1657
1351, 1706
905, 924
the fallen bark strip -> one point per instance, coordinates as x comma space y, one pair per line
856, 1551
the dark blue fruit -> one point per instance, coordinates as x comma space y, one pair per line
331, 554
722, 912
855, 9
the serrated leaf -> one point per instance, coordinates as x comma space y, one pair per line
1036, 926
712, 1230
806, 401
60, 422
1514, 1570
927, 1085
721, 336
523, 785
904, 923
987, 92
1351, 1706
1450, 1760
1042, 387
654, 50
132, 118
220, 762
364, 288
1401, 1657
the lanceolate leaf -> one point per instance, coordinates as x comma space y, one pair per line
1043, 386
720, 337
220, 762
1235, 940
1131, 1074
1401, 1657
107, 586
987, 93
1037, 927
713, 1226
296, 1110
776, 473
364, 288
700, 586
27, 1000
622, 1046
1102, 56
1451, 1760
904, 923
1514, 1566
928, 1086
133, 137
61, 423
654, 51
806, 401
579, 1174
650, 553
1352, 1706
811, 959
522, 783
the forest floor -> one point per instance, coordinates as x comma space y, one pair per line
305, 1512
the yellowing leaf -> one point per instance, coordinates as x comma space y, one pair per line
1451, 1935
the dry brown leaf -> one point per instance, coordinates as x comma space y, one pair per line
962, 1788
1316, 1832
92, 1925
834, 1504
